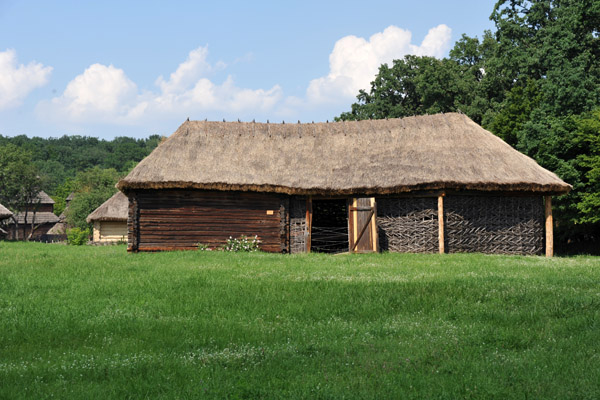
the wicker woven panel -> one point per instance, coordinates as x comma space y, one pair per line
498, 225
407, 225
298, 228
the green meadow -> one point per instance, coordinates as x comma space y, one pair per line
97, 322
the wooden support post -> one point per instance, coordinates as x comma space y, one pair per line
374, 233
133, 223
549, 227
309, 212
441, 223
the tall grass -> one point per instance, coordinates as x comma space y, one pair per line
96, 322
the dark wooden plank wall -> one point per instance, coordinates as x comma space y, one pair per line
40, 208
180, 219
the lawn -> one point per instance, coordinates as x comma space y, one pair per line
96, 322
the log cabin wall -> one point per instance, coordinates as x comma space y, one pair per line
40, 208
109, 231
181, 219
41, 230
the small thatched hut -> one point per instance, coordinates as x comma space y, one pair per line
418, 184
110, 219
40, 214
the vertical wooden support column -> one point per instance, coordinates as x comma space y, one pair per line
133, 223
284, 224
441, 223
374, 233
309, 212
549, 226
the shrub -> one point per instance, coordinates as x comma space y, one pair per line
77, 236
243, 243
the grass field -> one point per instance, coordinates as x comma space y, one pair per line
96, 322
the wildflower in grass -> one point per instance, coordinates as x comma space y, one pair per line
242, 244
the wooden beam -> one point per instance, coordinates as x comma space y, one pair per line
374, 234
309, 212
441, 223
133, 223
549, 227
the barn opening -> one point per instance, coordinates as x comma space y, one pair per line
329, 233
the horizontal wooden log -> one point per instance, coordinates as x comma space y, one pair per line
205, 216
162, 247
216, 234
203, 204
209, 225
221, 230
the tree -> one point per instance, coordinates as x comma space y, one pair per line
425, 85
20, 185
92, 188
548, 58
535, 82
554, 42
588, 134
61, 193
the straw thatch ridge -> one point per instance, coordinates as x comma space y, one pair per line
4, 212
41, 217
43, 198
113, 209
59, 228
433, 152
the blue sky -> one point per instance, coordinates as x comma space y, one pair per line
128, 68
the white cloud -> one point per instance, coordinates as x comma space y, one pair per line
17, 81
105, 94
100, 92
187, 73
354, 61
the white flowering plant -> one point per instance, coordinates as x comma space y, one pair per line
242, 244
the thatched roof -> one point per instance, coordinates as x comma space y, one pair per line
4, 212
433, 152
113, 209
40, 218
43, 198
59, 228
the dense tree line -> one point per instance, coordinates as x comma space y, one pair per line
535, 82
86, 166
60, 158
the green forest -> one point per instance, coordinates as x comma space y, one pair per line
86, 166
534, 81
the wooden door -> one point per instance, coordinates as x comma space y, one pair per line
362, 225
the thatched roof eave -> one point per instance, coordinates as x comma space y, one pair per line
522, 188
113, 209
4, 212
108, 219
